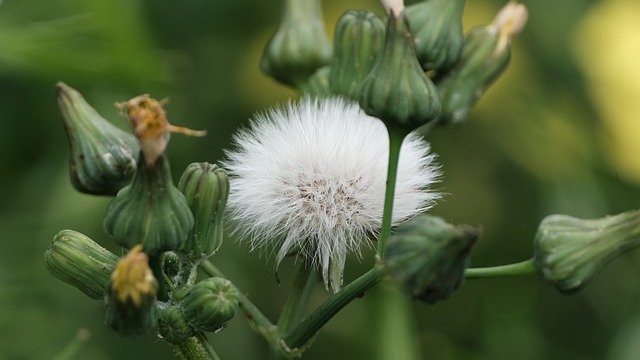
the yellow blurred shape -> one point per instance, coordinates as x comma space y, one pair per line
608, 48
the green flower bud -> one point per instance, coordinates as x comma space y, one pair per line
210, 304
570, 251
79, 261
131, 307
300, 46
486, 54
318, 84
357, 41
437, 31
206, 188
102, 157
171, 264
172, 326
150, 211
396, 90
428, 257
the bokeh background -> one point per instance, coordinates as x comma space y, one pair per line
558, 133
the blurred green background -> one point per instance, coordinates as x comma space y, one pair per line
559, 133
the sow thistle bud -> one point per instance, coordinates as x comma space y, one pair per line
397, 91
102, 157
173, 327
210, 304
206, 188
300, 46
437, 31
131, 307
570, 251
485, 56
79, 261
358, 38
428, 257
150, 211
318, 84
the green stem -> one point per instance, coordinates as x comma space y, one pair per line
196, 348
202, 339
526, 267
310, 325
71, 350
294, 306
261, 323
296, 300
396, 136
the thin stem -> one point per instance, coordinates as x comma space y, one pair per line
526, 267
396, 137
296, 300
202, 339
71, 350
294, 306
262, 324
310, 325
196, 348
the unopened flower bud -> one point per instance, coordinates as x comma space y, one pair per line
318, 84
397, 91
428, 257
171, 264
357, 41
486, 54
148, 120
79, 261
437, 31
300, 46
172, 326
206, 188
131, 307
570, 251
150, 211
210, 304
102, 157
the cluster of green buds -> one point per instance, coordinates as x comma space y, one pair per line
168, 229
427, 257
415, 69
570, 251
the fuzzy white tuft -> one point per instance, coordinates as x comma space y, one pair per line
310, 179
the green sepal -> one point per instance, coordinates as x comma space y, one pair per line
397, 91
102, 157
206, 189
173, 327
128, 319
79, 261
483, 60
300, 46
570, 251
428, 257
150, 211
436, 26
210, 304
358, 39
318, 84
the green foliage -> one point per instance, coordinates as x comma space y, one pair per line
506, 168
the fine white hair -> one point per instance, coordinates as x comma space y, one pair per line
309, 179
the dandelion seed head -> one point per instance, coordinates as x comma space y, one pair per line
309, 178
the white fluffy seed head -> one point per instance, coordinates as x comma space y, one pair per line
309, 178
